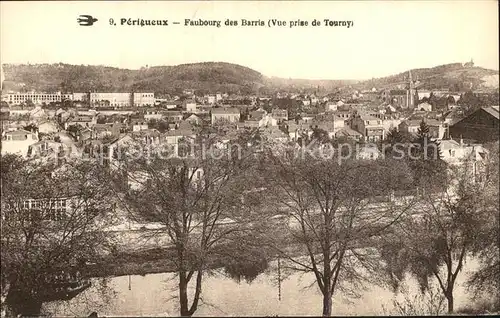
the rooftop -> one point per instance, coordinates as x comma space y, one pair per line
225, 110
492, 110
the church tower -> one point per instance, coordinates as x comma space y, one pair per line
410, 92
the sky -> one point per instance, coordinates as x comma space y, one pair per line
387, 37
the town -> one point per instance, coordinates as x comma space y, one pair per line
40, 123
95, 205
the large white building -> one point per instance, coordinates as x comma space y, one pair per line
36, 98
114, 99
123, 99
144, 99
96, 99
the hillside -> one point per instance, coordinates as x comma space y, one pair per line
454, 77
211, 76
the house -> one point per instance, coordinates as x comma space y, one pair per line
298, 128
481, 126
268, 121
344, 114
280, 114
452, 116
306, 117
371, 128
152, 114
189, 105
83, 121
116, 148
331, 107
194, 119
108, 129
84, 134
44, 148
329, 127
147, 137
173, 138
249, 124
18, 142
468, 156
275, 134
328, 122
229, 114
257, 115
211, 99
455, 152
173, 116
349, 133
47, 127
19, 111
38, 113
424, 107
138, 125
436, 128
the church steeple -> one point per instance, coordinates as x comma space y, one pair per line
410, 92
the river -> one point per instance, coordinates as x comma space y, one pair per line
152, 295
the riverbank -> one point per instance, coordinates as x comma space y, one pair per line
141, 262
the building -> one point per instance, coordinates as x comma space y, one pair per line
111, 99
44, 148
34, 97
481, 126
229, 114
139, 125
80, 97
426, 107
469, 156
173, 116
53, 209
83, 121
190, 106
211, 99
152, 114
331, 107
371, 128
48, 127
175, 138
329, 123
144, 99
18, 142
436, 128
390, 123
349, 133
280, 114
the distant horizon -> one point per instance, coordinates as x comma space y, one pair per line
267, 76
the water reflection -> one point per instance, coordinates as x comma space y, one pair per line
154, 295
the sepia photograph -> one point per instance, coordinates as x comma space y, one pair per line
249, 158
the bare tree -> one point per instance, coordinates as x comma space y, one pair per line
52, 218
487, 248
333, 215
200, 201
436, 240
